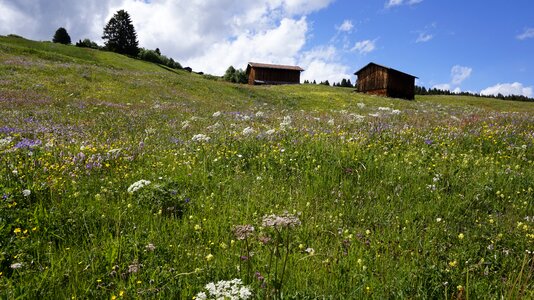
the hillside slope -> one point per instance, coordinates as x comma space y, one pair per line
123, 179
65, 73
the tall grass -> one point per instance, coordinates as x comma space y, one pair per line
395, 199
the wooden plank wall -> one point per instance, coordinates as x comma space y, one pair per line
373, 78
401, 85
274, 75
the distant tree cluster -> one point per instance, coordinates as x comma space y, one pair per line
87, 43
155, 56
235, 76
343, 83
434, 91
120, 37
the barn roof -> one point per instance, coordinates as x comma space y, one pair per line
388, 68
269, 66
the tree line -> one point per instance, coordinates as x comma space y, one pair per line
120, 37
421, 90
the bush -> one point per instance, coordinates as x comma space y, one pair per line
156, 57
87, 43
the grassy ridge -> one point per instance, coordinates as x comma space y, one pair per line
395, 199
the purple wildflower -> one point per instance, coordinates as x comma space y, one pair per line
28, 144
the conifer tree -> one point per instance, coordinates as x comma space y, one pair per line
120, 34
61, 36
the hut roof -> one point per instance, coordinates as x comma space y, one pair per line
269, 66
388, 68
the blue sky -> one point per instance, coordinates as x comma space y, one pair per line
478, 46
429, 38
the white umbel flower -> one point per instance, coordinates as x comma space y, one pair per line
201, 138
138, 185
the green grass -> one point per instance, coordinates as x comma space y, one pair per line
396, 199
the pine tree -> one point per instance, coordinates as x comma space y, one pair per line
120, 34
61, 36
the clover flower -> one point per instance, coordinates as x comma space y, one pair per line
138, 185
26, 193
230, 289
285, 220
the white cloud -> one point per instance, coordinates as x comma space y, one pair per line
299, 7
364, 47
280, 45
392, 3
459, 74
320, 64
424, 37
527, 34
442, 86
208, 35
507, 89
346, 26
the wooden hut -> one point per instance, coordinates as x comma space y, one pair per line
379, 80
273, 74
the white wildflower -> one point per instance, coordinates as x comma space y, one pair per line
5, 141
232, 289
357, 118
270, 132
16, 266
395, 112
216, 114
214, 126
26, 193
150, 247
361, 105
248, 131
384, 108
331, 122
374, 115
150, 131
201, 138
138, 185
286, 122
260, 114
185, 125
285, 220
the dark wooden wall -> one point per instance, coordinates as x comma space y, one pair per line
373, 80
387, 82
274, 76
401, 85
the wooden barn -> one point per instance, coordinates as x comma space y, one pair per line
379, 80
273, 74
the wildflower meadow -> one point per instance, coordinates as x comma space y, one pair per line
121, 179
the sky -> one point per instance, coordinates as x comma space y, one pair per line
481, 46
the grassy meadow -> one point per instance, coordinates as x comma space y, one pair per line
122, 179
